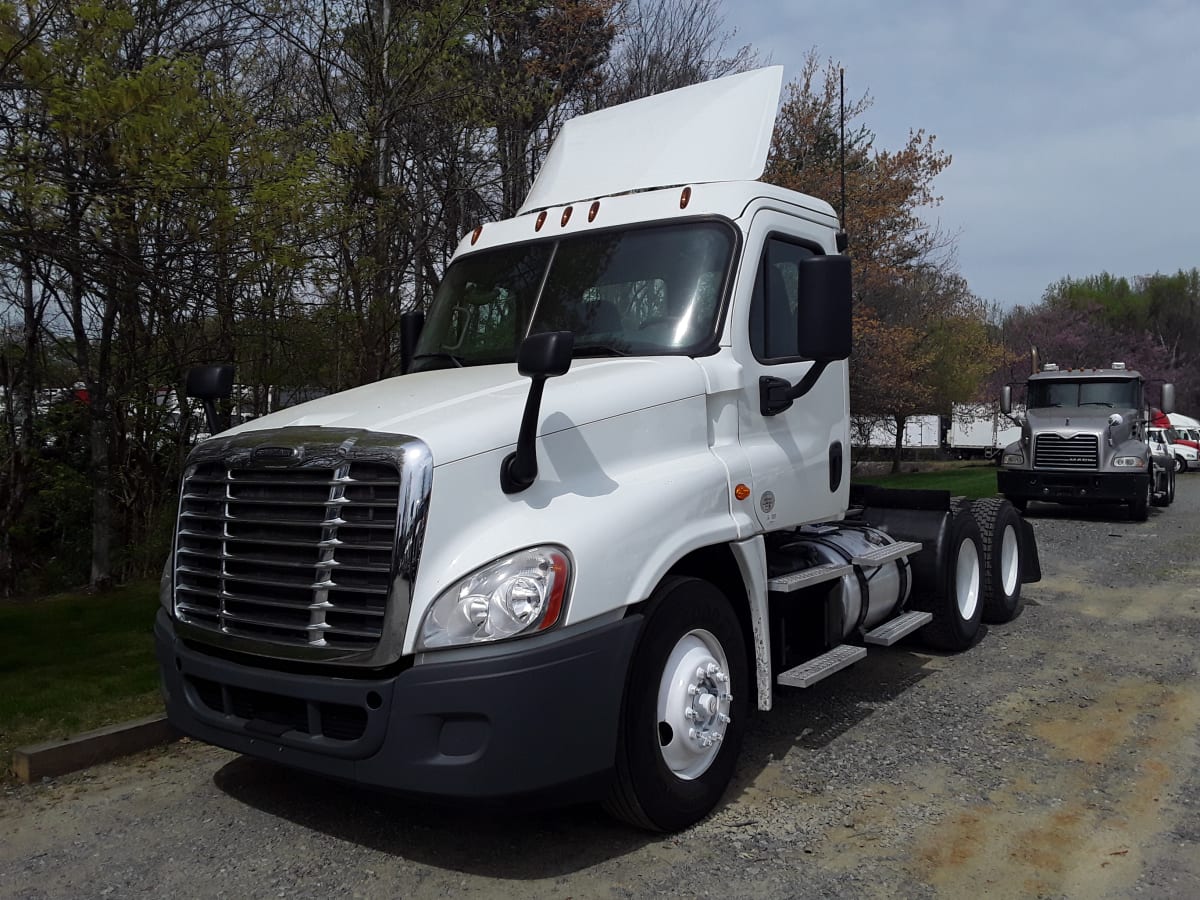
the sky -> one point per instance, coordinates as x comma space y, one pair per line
1074, 125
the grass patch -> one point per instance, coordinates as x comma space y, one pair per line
74, 662
967, 481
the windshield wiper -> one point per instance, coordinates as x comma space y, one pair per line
457, 360
598, 350
1097, 403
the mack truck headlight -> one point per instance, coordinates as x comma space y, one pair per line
522, 593
1013, 459
1129, 462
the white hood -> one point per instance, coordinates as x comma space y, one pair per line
463, 412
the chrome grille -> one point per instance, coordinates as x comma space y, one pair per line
296, 555
1078, 452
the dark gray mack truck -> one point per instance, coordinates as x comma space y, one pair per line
1084, 439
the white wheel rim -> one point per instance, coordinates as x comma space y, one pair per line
1010, 559
966, 579
693, 704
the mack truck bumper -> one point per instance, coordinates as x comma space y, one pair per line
517, 724
1080, 487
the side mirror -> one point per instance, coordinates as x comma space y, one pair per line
824, 328
209, 384
411, 326
1168, 398
823, 320
541, 356
1006, 399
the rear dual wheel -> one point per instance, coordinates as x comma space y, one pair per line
999, 528
957, 599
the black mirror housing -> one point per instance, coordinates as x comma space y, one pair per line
823, 320
209, 382
547, 354
411, 325
1006, 399
1168, 398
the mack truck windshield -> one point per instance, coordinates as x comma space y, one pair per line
604, 515
1085, 440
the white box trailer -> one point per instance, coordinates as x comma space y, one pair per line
979, 430
920, 432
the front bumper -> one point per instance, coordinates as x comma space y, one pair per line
1093, 487
522, 723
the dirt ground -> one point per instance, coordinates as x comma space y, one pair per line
1060, 756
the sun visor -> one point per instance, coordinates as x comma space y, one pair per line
718, 130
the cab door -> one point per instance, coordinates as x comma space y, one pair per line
799, 457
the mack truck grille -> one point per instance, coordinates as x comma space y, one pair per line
288, 555
1081, 451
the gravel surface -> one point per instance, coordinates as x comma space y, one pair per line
1058, 757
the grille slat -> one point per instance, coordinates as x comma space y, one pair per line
298, 556
1081, 452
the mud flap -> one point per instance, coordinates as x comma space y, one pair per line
1031, 565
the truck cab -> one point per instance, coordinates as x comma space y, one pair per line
1085, 440
605, 513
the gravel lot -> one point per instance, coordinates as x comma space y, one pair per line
1058, 757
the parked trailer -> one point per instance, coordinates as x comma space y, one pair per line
979, 430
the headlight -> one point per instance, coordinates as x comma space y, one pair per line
1129, 462
519, 594
1013, 459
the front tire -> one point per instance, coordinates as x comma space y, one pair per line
1000, 532
1139, 506
1180, 464
957, 602
685, 709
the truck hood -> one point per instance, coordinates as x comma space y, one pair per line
1068, 421
463, 412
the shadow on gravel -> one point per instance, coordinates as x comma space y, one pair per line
812, 718
512, 841
1115, 513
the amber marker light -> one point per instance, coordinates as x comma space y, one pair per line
476, 233
594, 209
566, 217
685, 198
741, 492
541, 220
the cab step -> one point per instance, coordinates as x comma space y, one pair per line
894, 629
794, 581
886, 554
809, 673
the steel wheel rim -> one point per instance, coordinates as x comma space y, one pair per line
1010, 560
966, 579
694, 696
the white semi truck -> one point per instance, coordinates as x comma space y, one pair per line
604, 515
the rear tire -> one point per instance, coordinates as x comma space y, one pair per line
684, 712
957, 605
1000, 531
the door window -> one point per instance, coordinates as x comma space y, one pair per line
776, 298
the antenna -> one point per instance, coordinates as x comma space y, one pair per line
842, 125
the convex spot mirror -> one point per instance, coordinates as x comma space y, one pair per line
823, 319
548, 354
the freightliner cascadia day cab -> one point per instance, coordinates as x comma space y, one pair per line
1084, 439
604, 515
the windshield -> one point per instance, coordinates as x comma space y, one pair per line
648, 291
1123, 394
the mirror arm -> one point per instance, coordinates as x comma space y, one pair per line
775, 395
519, 469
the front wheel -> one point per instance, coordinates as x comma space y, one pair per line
1139, 506
685, 709
1180, 464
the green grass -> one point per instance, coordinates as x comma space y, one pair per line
965, 481
74, 662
